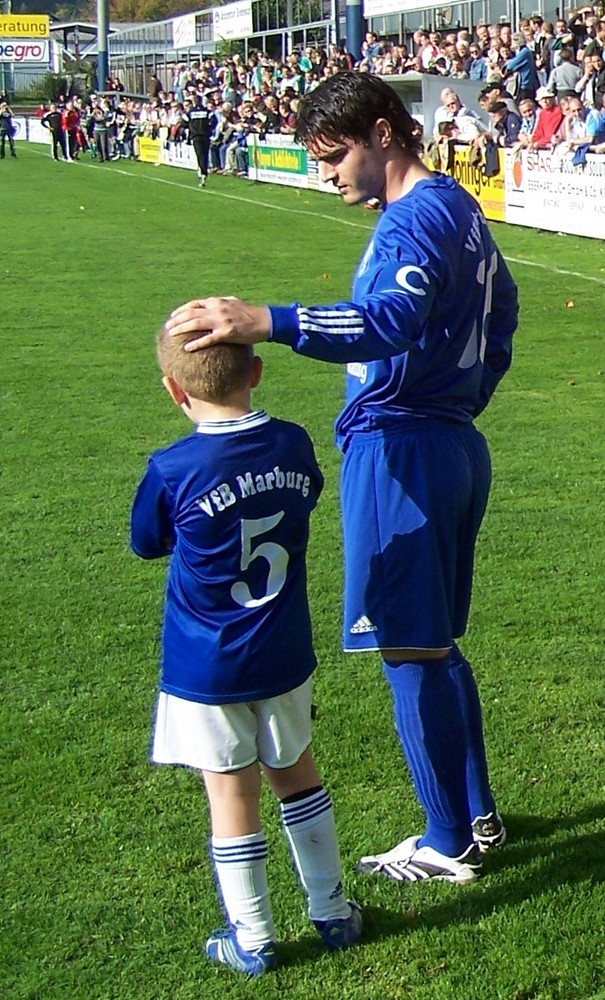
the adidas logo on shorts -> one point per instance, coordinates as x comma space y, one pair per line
363, 624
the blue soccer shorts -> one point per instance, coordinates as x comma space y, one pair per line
413, 499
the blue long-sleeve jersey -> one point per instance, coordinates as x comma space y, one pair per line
230, 503
428, 331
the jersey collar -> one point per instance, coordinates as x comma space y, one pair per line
250, 420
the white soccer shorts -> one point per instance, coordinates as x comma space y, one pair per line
275, 731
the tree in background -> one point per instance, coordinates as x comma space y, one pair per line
119, 10
76, 10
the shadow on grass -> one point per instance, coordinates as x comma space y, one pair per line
543, 826
533, 840
578, 858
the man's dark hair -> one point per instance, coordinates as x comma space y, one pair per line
347, 106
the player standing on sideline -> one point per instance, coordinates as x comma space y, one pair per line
7, 130
202, 121
53, 121
231, 503
426, 338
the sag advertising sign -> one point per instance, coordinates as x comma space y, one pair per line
23, 51
233, 20
24, 26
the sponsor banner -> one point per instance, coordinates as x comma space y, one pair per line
273, 139
37, 133
488, 191
178, 154
150, 150
24, 26
277, 162
546, 191
23, 50
314, 180
183, 31
19, 127
376, 8
233, 20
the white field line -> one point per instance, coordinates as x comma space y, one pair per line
312, 215
556, 270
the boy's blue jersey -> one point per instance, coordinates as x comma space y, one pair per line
428, 331
231, 502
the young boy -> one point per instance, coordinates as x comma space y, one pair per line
231, 503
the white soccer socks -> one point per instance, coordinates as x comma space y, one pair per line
309, 825
241, 869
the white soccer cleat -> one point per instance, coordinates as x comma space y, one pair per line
409, 863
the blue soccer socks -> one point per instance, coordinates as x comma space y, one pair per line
480, 799
432, 734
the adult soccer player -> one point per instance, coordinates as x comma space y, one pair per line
202, 121
426, 337
53, 121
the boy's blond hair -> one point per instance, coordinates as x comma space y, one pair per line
212, 374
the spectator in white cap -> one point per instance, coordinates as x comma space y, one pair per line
549, 120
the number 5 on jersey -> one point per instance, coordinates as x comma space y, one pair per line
276, 556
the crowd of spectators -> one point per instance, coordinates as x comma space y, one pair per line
543, 86
564, 125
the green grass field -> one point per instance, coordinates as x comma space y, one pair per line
108, 892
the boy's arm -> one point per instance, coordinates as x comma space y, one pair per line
151, 521
317, 478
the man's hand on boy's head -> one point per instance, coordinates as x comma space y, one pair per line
220, 320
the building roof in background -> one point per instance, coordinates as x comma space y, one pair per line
82, 27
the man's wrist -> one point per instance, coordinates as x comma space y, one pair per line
284, 324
